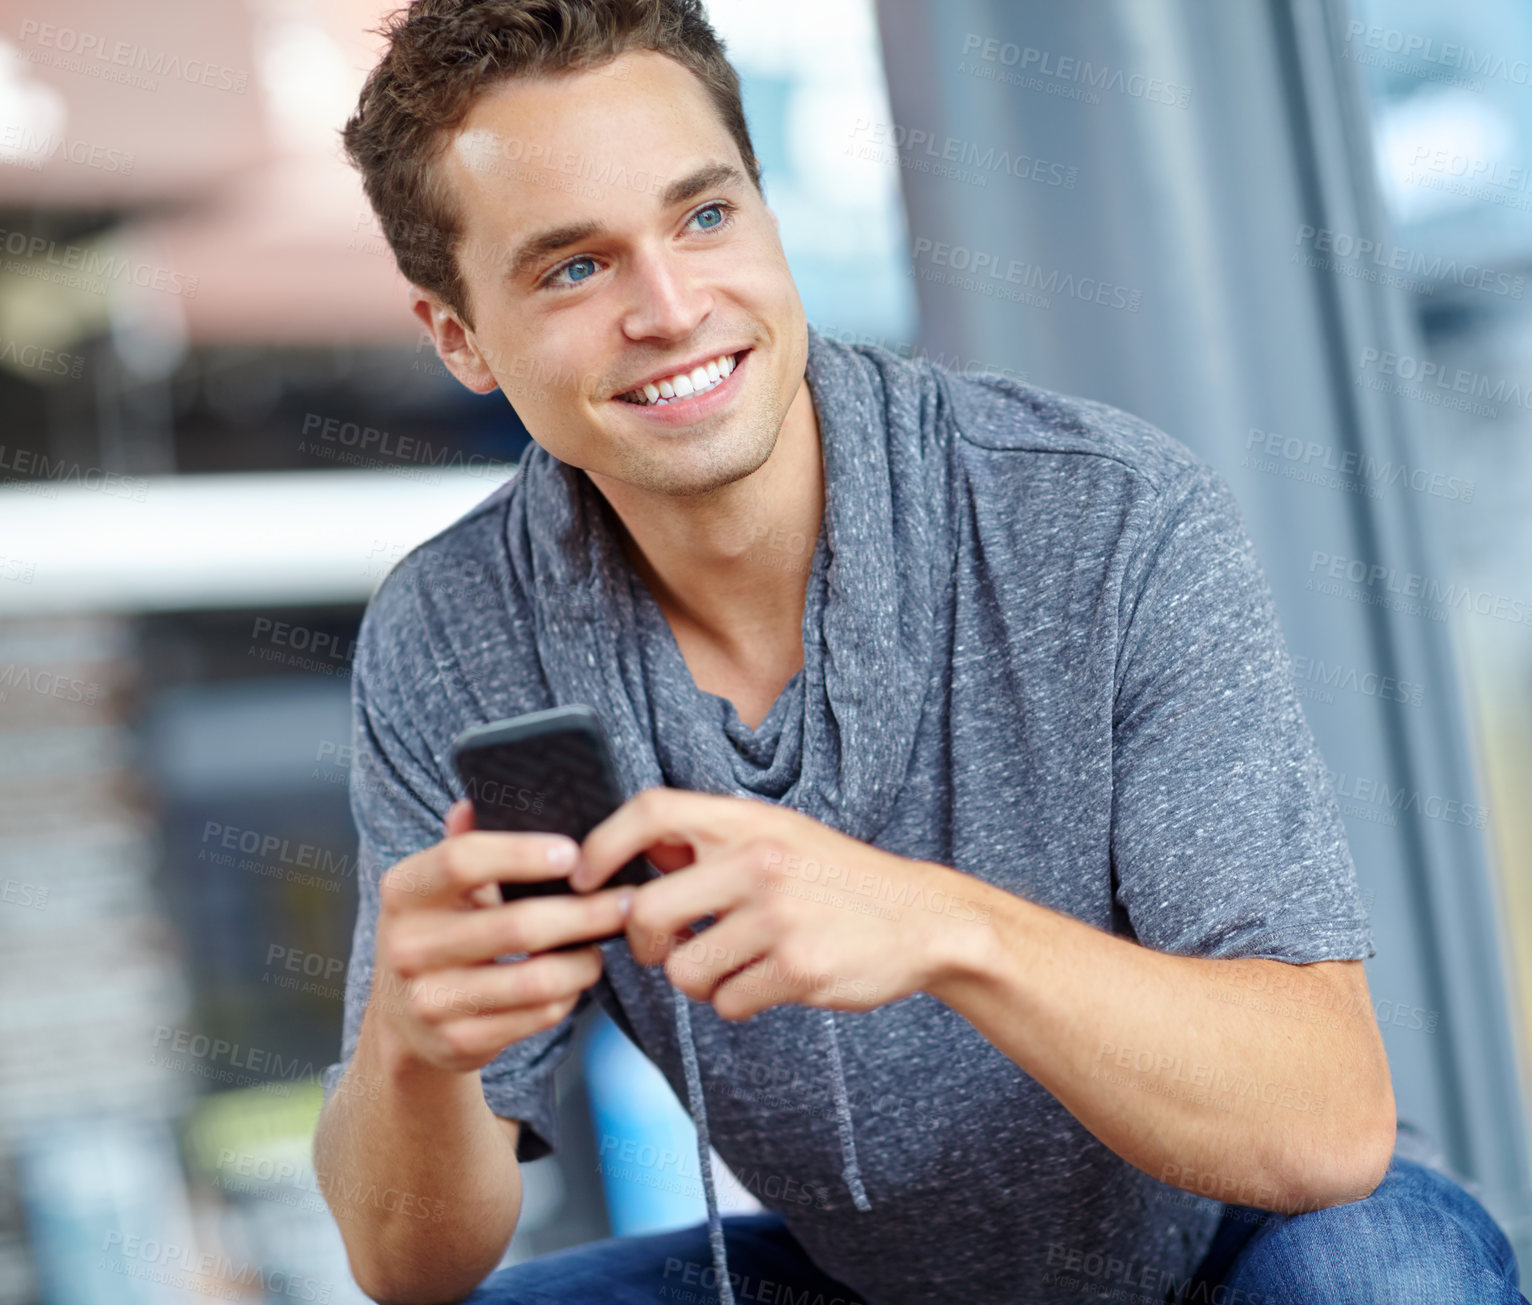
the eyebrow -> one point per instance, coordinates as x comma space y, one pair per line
714, 175
535, 248
539, 246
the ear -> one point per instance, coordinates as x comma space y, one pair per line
455, 343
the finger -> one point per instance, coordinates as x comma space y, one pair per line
663, 908
459, 818
475, 1040
532, 983
756, 988
449, 871
698, 965
437, 940
658, 815
444, 996
460, 821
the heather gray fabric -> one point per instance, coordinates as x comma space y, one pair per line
1037, 647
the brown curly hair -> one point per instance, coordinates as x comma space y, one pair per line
443, 53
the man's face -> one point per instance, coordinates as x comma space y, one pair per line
611, 239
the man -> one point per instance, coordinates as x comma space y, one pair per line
958, 721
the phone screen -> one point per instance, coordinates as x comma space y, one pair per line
548, 772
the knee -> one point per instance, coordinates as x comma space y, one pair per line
1418, 1237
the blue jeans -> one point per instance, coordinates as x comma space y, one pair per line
1419, 1239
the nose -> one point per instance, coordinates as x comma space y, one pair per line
666, 300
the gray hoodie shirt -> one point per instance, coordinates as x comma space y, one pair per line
1039, 648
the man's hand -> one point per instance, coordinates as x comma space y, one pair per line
410, 1116
437, 988
804, 914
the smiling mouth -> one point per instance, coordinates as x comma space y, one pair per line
684, 385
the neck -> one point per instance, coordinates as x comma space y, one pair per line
734, 565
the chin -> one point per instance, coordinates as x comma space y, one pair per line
703, 466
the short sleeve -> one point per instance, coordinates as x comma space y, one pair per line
403, 679
1227, 839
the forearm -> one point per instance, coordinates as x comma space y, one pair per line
421, 1176
1263, 1107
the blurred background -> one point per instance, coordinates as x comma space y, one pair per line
1295, 234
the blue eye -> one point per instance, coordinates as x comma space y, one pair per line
571, 268
710, 217
714, 216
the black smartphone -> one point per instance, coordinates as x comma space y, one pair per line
548, 772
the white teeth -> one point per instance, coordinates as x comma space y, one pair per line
683, 384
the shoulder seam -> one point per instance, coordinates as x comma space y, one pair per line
1154, 481
1097, 415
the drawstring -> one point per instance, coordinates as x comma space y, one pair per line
704, 1147
851, 1172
